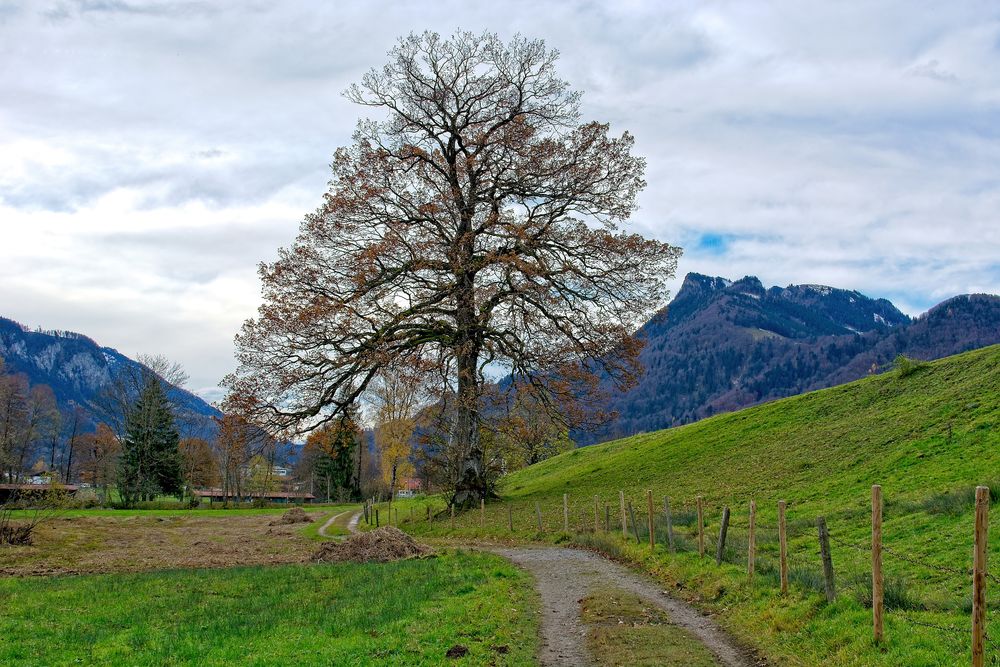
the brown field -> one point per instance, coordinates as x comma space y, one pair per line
79, 545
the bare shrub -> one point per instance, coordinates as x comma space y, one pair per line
20, 517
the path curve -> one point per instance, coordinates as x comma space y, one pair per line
566, 576
352, 525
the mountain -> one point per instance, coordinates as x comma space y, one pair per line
722, 345
77, 369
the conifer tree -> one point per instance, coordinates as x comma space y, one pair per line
150, 463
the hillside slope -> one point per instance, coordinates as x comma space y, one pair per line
928, 438
916, 435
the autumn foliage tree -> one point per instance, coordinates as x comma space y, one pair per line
397, 393
198, 465
236, 442
476, 223
98, 458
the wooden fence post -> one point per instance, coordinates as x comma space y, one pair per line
482, 512
824, 551
701, 528
538, 513
723, 529
510, 518
635, 526
670, 524
565, 512
652, 527
376, 517
979, 576
752, 541
877, 595
621, 498
783, 547
453, 517
597, 520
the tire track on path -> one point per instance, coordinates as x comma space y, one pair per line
565, 576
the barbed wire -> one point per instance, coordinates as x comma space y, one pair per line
916, 561
849, 545
951, 629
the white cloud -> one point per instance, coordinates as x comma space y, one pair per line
152, 153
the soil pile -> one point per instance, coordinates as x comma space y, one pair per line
379, 546
294, 515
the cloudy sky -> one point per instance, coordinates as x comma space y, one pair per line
152, 153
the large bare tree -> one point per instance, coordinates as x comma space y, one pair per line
476, 223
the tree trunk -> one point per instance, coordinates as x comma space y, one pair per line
471, 485
72, 446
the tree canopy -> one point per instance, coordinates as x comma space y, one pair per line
476, 224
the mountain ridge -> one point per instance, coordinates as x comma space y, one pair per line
722, 345
76, 367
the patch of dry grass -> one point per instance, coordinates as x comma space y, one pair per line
77, 545
625, 630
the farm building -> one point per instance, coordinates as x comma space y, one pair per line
410, 487
217, 495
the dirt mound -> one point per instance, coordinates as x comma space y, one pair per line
294, 515
379, 546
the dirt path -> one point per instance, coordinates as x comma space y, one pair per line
565, 576
351, 526
329, 522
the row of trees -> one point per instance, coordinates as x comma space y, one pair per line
136, 446
34, 434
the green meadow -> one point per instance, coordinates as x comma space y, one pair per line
928, 437
404, 613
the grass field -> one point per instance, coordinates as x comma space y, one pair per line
405, 613
94, 541
928, 438
183, 511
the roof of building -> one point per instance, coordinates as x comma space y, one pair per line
411, 484
38, 487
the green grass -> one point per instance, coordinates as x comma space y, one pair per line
404, 613
927, 437
337, 529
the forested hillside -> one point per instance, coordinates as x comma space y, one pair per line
723, 345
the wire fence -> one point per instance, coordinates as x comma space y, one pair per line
679, 529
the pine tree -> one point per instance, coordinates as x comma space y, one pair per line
150, 463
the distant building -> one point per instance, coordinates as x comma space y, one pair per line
410, 487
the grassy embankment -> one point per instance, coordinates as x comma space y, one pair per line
405, 613
927, 437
